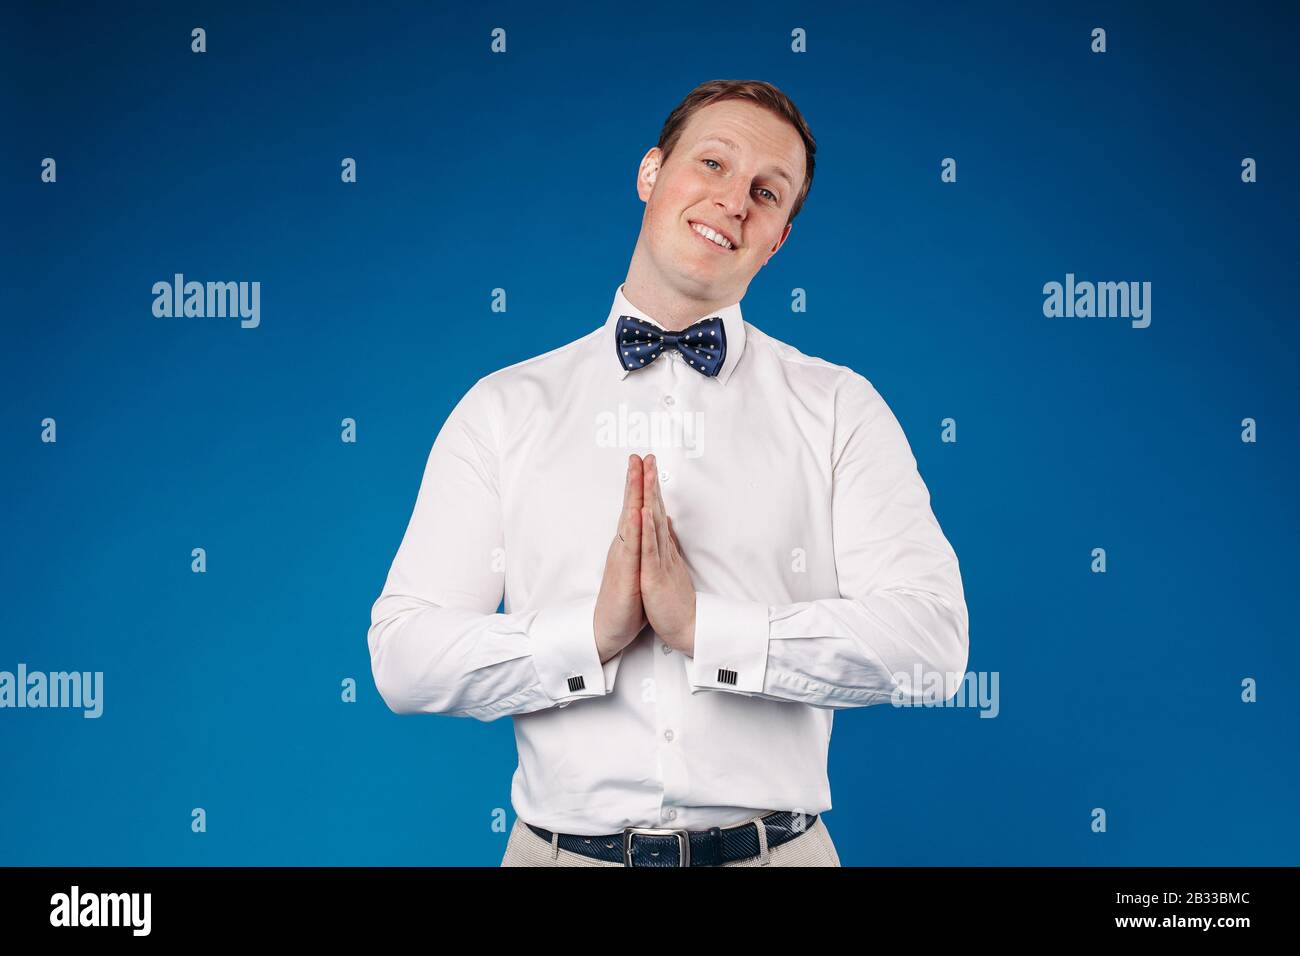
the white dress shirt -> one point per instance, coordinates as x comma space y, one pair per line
823, 579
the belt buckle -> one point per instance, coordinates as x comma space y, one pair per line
683, 839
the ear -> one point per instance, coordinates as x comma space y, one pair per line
648, 173
779, 242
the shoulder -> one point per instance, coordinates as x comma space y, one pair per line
532, 379
558, 361
804, 371
858, 413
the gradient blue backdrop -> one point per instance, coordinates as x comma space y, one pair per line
478, 171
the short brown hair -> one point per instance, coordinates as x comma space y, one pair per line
760, 94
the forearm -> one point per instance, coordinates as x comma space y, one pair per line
899, 644
434, 659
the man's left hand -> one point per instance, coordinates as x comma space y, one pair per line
667, 591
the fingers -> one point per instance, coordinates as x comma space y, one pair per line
649, 542
629, 522
629, 532
651, 477
635, 469
653, 495
654, 500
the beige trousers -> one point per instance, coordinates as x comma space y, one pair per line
813, 847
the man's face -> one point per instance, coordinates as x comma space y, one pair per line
736, 170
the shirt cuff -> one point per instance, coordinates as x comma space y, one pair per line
730, 645
563, 640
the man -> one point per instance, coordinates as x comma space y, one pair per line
774, 555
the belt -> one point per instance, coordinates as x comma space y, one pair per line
656, 846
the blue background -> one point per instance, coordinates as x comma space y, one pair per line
222, 690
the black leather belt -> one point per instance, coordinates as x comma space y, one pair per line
656, 846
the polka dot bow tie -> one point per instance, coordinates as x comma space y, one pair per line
703, 345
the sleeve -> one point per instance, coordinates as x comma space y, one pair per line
437, 644
899, 629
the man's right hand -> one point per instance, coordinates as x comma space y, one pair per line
620, 616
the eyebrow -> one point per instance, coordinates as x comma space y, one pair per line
778, 170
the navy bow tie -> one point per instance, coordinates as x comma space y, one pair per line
703, 345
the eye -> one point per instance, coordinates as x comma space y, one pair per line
772, 196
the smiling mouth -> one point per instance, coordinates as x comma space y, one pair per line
696, 227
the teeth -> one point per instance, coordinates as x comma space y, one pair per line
708, 233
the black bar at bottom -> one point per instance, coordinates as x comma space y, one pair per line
333, 904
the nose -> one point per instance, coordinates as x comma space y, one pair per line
732, 199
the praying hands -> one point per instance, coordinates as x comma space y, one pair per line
646, 578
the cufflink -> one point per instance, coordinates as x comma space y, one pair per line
577, 684
726, 676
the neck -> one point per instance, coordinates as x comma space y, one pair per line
667, 307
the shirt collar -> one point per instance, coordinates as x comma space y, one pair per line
732, 322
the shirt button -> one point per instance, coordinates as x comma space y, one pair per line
667, 649
670, 814
663, 475
668, 400
668, 735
